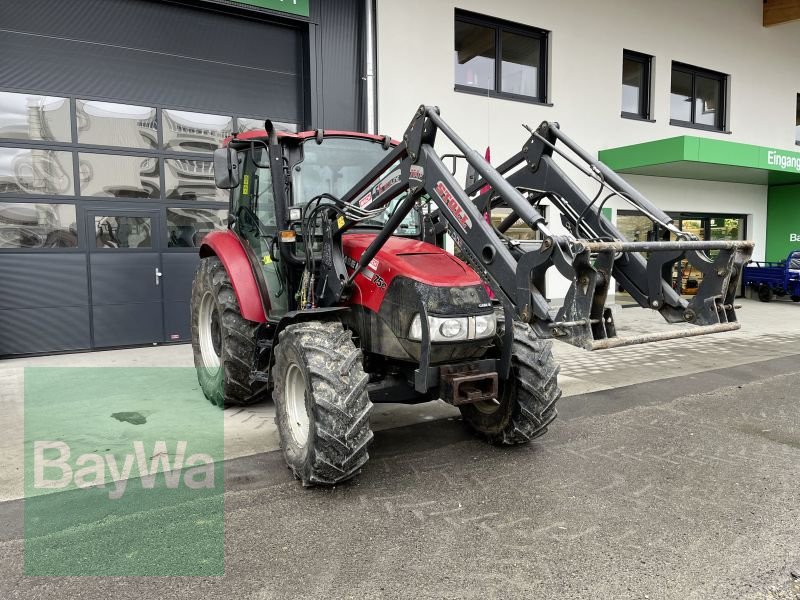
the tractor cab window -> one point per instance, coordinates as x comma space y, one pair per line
256, 223
338, 164
255, 197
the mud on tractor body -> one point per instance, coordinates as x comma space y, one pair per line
330, 290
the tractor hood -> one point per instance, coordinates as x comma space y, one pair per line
402, 257
406, 278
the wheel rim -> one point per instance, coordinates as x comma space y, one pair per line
295, 398
209, 333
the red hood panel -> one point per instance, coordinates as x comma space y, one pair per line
416, 260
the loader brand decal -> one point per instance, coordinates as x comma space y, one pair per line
365, 200
416, 173
388, 182
447, 197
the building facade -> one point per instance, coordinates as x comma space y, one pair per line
695, 102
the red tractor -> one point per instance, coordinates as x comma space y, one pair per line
330, 290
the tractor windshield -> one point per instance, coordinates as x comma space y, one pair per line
335, 166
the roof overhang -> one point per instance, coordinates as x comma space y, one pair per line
689, 157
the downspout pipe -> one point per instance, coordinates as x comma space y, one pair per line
370, 74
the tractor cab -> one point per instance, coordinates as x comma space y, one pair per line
310, 166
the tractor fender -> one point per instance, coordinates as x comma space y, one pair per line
228, 248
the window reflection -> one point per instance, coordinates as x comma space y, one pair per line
474, 55
194, 132
123, 232
243, 125
520, 64
797, 122
117, 176
109, 124
633, 75
191, 179
186, 227
24, 225
24, 171
707, 100
681, 98
33, 117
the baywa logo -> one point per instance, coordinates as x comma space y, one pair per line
794, 237
53, 469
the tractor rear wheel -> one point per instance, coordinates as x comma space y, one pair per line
321, 402
526, 401
223, 341
765, 293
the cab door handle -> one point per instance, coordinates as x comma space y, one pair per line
158, 276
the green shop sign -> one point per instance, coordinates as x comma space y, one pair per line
781, 159
693, 157
295, 7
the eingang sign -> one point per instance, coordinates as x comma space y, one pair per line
783, 160
295, 7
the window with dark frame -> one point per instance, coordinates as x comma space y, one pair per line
697, 97
499, 59
797, 122
636, 69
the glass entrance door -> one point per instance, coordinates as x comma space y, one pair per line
685, 278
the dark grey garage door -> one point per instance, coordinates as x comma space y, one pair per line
109, 112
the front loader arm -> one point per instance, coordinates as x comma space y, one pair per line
594, 252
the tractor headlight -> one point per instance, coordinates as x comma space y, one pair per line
450, 328
485, 326
454, 329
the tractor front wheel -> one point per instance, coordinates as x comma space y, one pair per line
526, 401
223, 341
321, 402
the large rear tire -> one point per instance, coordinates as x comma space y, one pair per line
321, 402
526, 401
223, 342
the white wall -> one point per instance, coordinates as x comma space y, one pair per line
415, 66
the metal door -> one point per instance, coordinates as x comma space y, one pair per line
125, 274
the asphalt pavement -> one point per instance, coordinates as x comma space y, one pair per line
684, 487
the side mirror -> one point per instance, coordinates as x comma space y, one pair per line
226, 168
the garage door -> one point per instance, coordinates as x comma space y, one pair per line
109, 112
